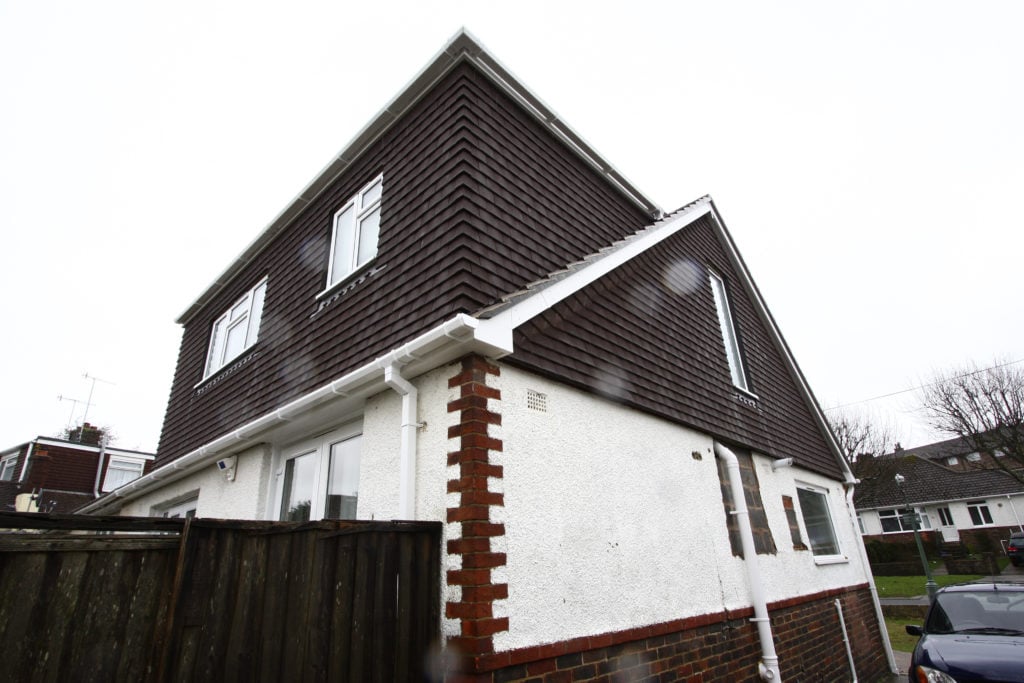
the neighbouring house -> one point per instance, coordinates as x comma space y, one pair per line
964, 500
470, 316
61, 475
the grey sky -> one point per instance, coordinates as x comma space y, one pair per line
867, 158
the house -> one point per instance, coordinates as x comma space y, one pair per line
60, 475
470, 316
961, 497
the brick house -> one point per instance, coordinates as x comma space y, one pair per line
470, 316
61, 475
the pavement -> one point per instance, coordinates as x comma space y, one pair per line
1010, 573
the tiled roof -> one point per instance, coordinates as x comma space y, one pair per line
928, 482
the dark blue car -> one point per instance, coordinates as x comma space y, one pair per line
973, 633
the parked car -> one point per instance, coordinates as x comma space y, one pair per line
973, 632
1015, 548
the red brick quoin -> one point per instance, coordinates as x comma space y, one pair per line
480, 535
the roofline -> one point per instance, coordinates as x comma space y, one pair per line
773, 330
462, 47
937, 501
47, 441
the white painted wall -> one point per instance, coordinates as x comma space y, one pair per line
613, 523
1006, 511
243, 498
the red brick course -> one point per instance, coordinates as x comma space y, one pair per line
479, 533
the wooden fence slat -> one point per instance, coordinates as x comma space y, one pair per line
342, 606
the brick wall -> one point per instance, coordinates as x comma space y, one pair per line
476, 538
713, 647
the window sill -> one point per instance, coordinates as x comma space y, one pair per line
226, 370
831, 559
351, 280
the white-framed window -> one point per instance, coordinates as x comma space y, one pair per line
120, 471
236, 330
974, 457
945, 517
183, 509
8, 466
980, 514
860, 524
900, 520
818, 521
319, 478
952, 460
729, 336
355, 232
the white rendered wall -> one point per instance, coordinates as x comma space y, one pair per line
613, 523
1005, 511
379, 467
243, 498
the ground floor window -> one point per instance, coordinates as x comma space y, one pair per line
817, 521
897, 521
945, 517
980, 514
320, 478
183, 509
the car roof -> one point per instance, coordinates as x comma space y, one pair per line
1015, 587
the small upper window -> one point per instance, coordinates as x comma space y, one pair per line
355, 232
732, 342
120, 471
236, 329
8, 466
817, 521
952, 460
974, 457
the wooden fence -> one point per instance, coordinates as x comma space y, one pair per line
132, 599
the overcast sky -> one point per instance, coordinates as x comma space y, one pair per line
867, 158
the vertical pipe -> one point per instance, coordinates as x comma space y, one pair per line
407, 463
769, 665
846, 640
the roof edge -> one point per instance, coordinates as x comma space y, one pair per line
462, 46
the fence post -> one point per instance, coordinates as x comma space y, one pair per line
172, 609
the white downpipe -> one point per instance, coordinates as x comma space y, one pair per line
99, 470
846, 640
407, 463
24, 465
768, 668
871, 578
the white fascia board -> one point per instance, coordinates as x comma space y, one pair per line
137, 455
499, 328
456, 336
780, 343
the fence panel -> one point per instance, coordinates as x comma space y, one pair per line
205, 600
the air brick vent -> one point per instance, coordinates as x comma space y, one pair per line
535, 400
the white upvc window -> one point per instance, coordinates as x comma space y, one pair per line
355, 232
8, 466
236, 330
974, 457
183, 509
901, 520
120, 471
945, 517
980, 514
729, 336
818, 523
319, 479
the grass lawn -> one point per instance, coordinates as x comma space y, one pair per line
898, 636
910, 586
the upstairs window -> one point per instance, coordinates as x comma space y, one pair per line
732, 342
355, 232
236, 330
120, 471
8, 466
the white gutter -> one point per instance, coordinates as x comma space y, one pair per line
768, 667
461, 328
407, 467
849, 484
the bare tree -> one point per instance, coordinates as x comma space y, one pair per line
985, 408
860, 435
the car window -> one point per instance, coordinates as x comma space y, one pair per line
965, 611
